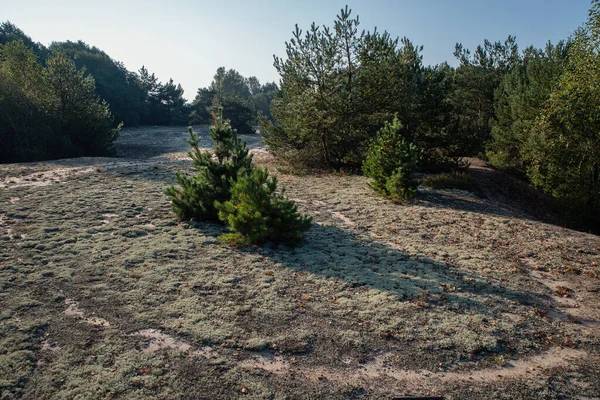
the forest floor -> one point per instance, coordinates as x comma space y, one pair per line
459, 294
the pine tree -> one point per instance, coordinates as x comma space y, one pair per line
518, 101
230, 188
338, 85
257, 212
475, 81
194, 197
390, 162
82, 117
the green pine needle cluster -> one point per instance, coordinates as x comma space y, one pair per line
194, 196
230, 188
390, 162
257, 212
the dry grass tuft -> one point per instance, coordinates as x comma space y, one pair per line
454, 180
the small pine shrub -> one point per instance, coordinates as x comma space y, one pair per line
390, 162
257, 213
194, 196
230, 188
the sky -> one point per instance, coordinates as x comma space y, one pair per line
188, 40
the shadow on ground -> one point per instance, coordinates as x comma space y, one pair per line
503, 195
364, 263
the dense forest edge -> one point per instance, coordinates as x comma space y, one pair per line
43, 108
531, 112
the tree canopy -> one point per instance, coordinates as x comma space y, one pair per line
241, 99
340, 85
49, 111
531, 112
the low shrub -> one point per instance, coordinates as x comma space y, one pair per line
257, 213
228, 187
452, 180
390, 162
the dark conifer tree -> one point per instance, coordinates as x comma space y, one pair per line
230, 188
194, 197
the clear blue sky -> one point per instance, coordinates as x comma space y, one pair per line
188, 40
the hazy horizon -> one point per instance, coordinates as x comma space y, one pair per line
188, 40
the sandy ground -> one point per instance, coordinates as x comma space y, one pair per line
105, 295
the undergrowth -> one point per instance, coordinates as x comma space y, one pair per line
452, 180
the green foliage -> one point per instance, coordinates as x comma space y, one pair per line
202, 106
49, 112
25, 96
257, 213
195, 196
452, 180
163, 103
230, 188
240, 98
263, 95
9, 32
441, 145
518, 101
134, 98
82, 118
475, 82
338, 88
228, 91
547, 123
114, 83
565, 155
240, 112
390, 162
224, 137
169, 105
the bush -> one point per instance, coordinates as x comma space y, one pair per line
453, 180
257, 213
230, 188
195, 196
390, 162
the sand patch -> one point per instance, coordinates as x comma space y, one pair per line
74, 312
160, 341
381, 367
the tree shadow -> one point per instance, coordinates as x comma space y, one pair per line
516, 193
362, 262
473, 203
496, 193
501, 194
162, 173
151, 142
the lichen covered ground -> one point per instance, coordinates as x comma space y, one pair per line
104, 294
